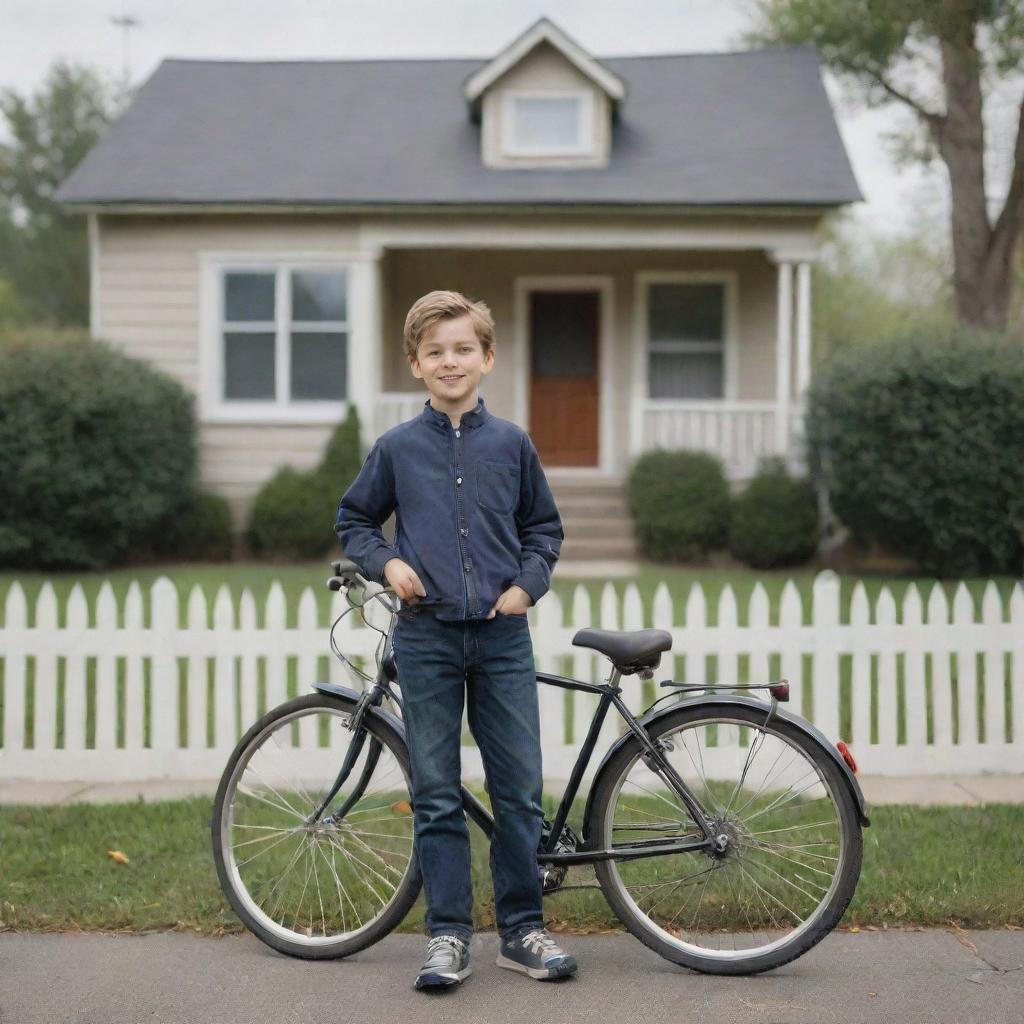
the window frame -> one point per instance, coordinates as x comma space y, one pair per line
584, 144
728, 345
214, 407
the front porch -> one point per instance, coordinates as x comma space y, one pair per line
594, 358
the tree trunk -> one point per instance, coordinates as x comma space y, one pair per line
982, 254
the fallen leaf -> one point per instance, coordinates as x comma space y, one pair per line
855, 929
871, 995
118, 856
402, 807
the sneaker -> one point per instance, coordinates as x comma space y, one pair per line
447, 962
537, 954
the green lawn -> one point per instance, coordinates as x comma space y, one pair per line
922, 866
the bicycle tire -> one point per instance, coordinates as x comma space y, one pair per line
807, 860
393, 782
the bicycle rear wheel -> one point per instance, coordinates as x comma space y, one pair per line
324, 889
787, 823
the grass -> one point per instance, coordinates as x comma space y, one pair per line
923, 866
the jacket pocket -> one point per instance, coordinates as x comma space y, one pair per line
497, 485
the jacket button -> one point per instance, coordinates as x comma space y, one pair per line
465, 533
468, 567
458, 433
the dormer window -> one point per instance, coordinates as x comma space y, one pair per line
544, 103
548, 123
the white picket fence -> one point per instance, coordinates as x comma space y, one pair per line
936, 688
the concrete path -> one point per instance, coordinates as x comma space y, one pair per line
929, 977
878, 790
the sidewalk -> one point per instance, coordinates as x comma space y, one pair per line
921, 790
926, 977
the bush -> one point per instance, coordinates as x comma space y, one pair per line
202, 531
293, 514
96, 451
774, 520
921, 447
680, 504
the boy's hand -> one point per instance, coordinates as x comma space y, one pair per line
513, 601
402, 576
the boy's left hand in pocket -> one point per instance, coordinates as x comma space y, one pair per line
513, 601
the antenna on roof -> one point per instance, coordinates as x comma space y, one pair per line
126, 22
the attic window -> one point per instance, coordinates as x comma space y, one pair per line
548, 123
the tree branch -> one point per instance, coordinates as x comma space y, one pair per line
934, 120
1008, 223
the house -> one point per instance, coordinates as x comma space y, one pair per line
642, 228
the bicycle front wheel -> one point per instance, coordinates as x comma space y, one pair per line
789, 842
326, 888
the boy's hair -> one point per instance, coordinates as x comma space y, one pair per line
430, 309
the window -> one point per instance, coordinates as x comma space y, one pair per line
548, 124
686, 339
282, 337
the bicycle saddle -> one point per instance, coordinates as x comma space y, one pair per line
630, 651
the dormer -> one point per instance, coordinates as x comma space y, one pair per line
544, 102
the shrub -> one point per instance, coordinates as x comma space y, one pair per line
774, 520
921, 447
293, 514
201, 531
680, 504
96, 451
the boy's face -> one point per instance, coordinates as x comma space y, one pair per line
450, 360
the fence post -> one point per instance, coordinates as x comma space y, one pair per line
164, 666
15, 656
195, 668
45, 717
106, 668
825, 619
915, 704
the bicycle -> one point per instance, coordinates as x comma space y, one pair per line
725, 832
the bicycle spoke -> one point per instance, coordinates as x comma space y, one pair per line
329, 883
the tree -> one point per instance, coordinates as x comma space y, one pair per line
967, 49
44, 257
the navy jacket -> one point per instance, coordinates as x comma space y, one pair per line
475, 513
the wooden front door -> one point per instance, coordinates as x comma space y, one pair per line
563, 340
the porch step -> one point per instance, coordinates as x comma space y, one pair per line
608, 547
595, 517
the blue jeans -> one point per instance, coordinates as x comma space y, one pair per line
490, 661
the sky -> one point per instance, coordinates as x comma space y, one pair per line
36, 33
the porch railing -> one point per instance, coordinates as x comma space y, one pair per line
740, 433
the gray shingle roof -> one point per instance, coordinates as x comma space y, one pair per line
737, 128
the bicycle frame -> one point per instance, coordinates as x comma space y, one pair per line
610, 694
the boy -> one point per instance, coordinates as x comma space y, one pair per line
477, 536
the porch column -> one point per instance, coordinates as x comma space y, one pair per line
783, 343
803, 329
364, 339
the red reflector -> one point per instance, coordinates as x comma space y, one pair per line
780, 691
847, 756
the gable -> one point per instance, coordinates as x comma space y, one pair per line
544, 76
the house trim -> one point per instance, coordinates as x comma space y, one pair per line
640, 400
212, 407
585, 141
604, 285
635, 207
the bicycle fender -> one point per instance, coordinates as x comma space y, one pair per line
724, 702
395, 724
